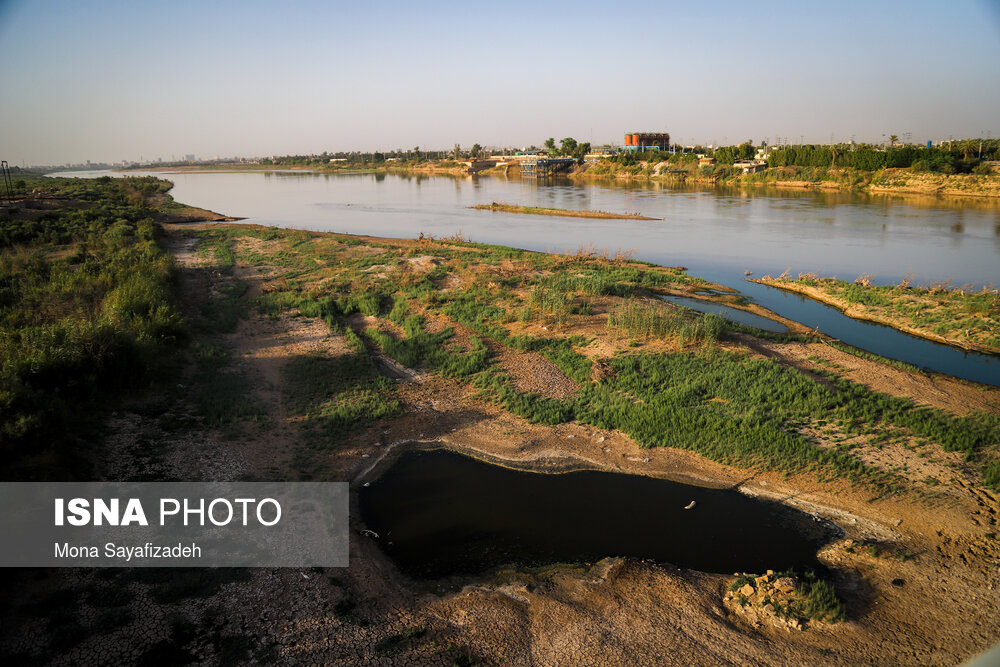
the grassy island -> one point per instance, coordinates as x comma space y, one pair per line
541, 210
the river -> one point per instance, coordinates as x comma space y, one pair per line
719, 234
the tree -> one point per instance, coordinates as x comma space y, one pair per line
457, 153
746, 151
567, 146
893, 139
968, 148
550, 145
725, 155
475, 150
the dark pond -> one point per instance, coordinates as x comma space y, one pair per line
731, 314
439, 514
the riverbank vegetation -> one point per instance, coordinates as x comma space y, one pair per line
665, 376
541, 210
968, 167
86, 313
965, 317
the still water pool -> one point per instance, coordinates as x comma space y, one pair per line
438, 513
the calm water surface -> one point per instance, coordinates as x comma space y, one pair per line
731, 314
717, 234
439, 513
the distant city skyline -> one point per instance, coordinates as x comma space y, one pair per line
107, 82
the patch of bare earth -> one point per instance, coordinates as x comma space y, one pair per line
926, 465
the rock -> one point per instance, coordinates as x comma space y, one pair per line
747, 590
785, 584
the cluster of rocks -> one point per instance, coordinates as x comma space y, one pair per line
767, 598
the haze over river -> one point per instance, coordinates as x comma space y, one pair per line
717, 233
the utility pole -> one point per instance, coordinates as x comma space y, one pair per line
6, 181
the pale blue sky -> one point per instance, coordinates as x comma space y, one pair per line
118, 80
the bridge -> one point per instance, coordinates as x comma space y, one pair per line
544, 166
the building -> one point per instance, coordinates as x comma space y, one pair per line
750, 166
642, 141
601, 153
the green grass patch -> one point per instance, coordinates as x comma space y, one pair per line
339, 393
80, 323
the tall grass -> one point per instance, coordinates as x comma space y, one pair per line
650, 320
78, 328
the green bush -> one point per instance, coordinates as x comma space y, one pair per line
80, 328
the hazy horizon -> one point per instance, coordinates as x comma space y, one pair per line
110, 82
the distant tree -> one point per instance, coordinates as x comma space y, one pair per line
745, 151
550, 144
416, 152
567, 146
725, 155
475, 150
969, 147
457, 153
893, 139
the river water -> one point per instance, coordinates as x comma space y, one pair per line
718, 234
